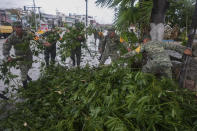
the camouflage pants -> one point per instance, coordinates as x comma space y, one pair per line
24, 67
50, 53
156, 68
113, 55
76, 52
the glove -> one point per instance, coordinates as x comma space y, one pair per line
129, 49
188, 52
9, 59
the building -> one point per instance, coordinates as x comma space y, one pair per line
49, 19
70, 21
82, 18
7, 16
61, 18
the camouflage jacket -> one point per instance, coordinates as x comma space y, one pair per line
112, 44
21, 44
156, 51
101, 43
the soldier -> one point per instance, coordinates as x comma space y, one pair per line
101, 43
76, 50
95, 33
158, 59
50, 45
20, 40
110, 46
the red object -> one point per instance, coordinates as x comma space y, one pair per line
112, 34
47, 44
9, 59
6, 41
129, 49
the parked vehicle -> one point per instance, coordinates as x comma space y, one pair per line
5, 29
43, 28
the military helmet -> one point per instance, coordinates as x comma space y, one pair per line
17, 24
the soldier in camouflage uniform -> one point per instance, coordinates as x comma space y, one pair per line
50, 50
158, 59
77, 42
110, 46
101, 43
95, 33
20, 40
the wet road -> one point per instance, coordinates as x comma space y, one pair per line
34, 72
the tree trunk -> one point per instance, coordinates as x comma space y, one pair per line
157, 19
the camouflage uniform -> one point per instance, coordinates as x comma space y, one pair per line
52, 37
77, 42
158, 59
22, 51
76, 52
95, 35
109, 47
102, 42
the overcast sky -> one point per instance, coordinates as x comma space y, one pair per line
102, 15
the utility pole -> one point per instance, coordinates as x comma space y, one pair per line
86, 12
35, 13
26, 8
86, 19
39, 15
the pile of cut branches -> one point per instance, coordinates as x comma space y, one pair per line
108, 98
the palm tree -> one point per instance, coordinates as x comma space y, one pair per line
130, 12
180, 14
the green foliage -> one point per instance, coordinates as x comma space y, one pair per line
52, 36
135, 12
109, 98
129, 37
180, 13
129, 12
90, 30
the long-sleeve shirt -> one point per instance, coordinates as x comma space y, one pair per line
21, 44
156, 51
51, 36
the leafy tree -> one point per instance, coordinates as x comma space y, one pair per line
130, 12
139, 13
180, 13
